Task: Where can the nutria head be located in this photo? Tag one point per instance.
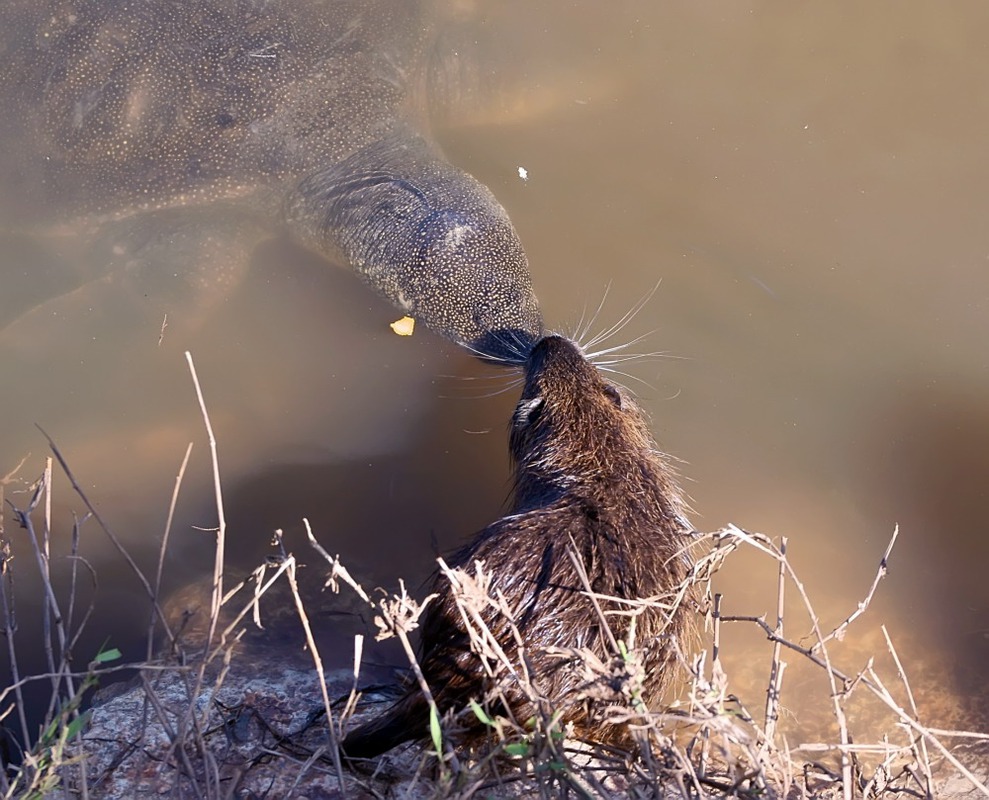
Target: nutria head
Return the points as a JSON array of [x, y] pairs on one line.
[[575, 433]]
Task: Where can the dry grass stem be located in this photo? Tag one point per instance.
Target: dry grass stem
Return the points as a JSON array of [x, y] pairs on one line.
[[163, 549], [207, 725]]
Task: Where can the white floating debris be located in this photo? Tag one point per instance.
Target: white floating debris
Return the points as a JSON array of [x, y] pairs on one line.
[[523, 173]]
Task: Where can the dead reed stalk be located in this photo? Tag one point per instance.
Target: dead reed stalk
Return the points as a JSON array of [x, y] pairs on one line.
[[705, 744]]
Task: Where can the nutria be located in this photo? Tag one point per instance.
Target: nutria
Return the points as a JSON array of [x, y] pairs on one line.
[[198, 129], [587, 472]]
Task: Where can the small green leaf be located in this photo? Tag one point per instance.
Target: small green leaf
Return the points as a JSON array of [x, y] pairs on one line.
[[481, 714], [517, 749], [77, 725], [48, 734], [434, 730], [107, 655]]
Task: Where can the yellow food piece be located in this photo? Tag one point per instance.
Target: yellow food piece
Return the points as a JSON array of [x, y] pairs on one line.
[[404, 327]]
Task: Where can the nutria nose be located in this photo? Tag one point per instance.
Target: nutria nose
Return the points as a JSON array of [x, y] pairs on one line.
[[550, 343], [552, 349]]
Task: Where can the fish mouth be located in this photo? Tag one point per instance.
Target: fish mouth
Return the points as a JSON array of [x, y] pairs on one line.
[[506, 346]]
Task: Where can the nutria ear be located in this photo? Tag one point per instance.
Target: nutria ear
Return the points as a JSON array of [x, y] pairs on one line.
[[528, 411], [613, 394]]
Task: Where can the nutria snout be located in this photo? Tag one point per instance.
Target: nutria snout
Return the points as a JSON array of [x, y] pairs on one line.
[[588, 479]]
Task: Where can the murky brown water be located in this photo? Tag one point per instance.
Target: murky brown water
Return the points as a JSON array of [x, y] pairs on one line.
[[809, 183]]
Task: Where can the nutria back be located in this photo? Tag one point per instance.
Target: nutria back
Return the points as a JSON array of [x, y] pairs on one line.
[[588, 479]]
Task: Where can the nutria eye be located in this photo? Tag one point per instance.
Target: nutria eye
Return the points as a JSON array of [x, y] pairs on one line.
[[613, 394], [528, 411]]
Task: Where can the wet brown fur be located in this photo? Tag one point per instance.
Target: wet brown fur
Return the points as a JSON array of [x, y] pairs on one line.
[[586, 468]]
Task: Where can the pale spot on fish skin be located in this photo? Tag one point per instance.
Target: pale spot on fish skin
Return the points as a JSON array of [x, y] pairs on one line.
[[455, 236], [402, 301]]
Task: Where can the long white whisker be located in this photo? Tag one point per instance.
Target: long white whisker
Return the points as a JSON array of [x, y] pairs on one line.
[[584, 330], [626, 358], [515, 345], [628, 375], [625, 320], [593, 355], [495, 378]]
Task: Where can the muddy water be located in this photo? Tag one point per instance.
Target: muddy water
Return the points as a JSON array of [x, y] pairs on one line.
[[807, 185]]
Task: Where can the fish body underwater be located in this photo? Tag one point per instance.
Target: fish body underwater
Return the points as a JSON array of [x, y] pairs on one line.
[[149, 129]]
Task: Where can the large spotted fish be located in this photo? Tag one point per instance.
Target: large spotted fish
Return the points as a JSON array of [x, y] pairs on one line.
[[134, 121]]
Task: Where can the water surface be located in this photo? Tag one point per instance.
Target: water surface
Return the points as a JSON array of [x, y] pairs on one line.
[[808, 186]]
